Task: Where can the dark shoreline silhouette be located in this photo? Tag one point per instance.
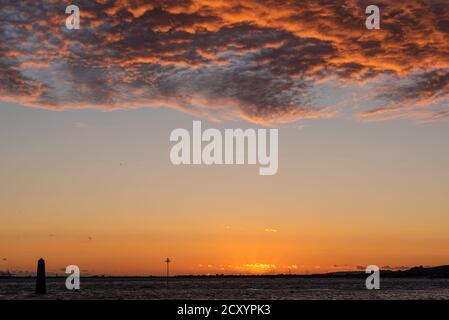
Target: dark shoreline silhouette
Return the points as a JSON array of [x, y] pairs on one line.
[[414, 272]]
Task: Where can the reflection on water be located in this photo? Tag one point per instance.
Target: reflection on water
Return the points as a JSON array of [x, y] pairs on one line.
[[228, 288]]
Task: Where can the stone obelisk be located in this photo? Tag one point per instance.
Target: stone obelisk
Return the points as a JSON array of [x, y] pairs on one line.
[[41, 287]]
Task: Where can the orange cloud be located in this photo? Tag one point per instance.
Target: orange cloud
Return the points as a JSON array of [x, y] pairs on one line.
[[255, 60]]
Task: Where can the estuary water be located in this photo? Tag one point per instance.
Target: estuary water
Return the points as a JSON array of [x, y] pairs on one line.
[[228, 288]]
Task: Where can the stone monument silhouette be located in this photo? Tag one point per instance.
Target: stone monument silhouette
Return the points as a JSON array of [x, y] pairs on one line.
[[41, 287]]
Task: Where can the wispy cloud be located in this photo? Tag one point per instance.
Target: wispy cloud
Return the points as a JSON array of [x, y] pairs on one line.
[[80, 125]]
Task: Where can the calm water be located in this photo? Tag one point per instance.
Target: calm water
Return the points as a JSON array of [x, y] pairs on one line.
[[229, 288]]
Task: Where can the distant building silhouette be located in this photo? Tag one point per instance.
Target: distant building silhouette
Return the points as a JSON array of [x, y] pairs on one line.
[[6, 274], [41, 287]]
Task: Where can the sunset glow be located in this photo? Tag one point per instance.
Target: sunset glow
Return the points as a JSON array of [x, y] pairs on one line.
[[86, 117]]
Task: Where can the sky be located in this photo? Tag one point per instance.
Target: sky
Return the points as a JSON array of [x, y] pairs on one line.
[[86, 115]]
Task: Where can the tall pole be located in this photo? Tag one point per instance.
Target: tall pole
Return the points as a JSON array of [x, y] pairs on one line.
[[167, 261]]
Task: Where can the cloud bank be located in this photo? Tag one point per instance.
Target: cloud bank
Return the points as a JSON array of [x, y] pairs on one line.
[[257, 60]]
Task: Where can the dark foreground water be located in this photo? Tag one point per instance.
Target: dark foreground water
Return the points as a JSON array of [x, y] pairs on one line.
[[229, 288]]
